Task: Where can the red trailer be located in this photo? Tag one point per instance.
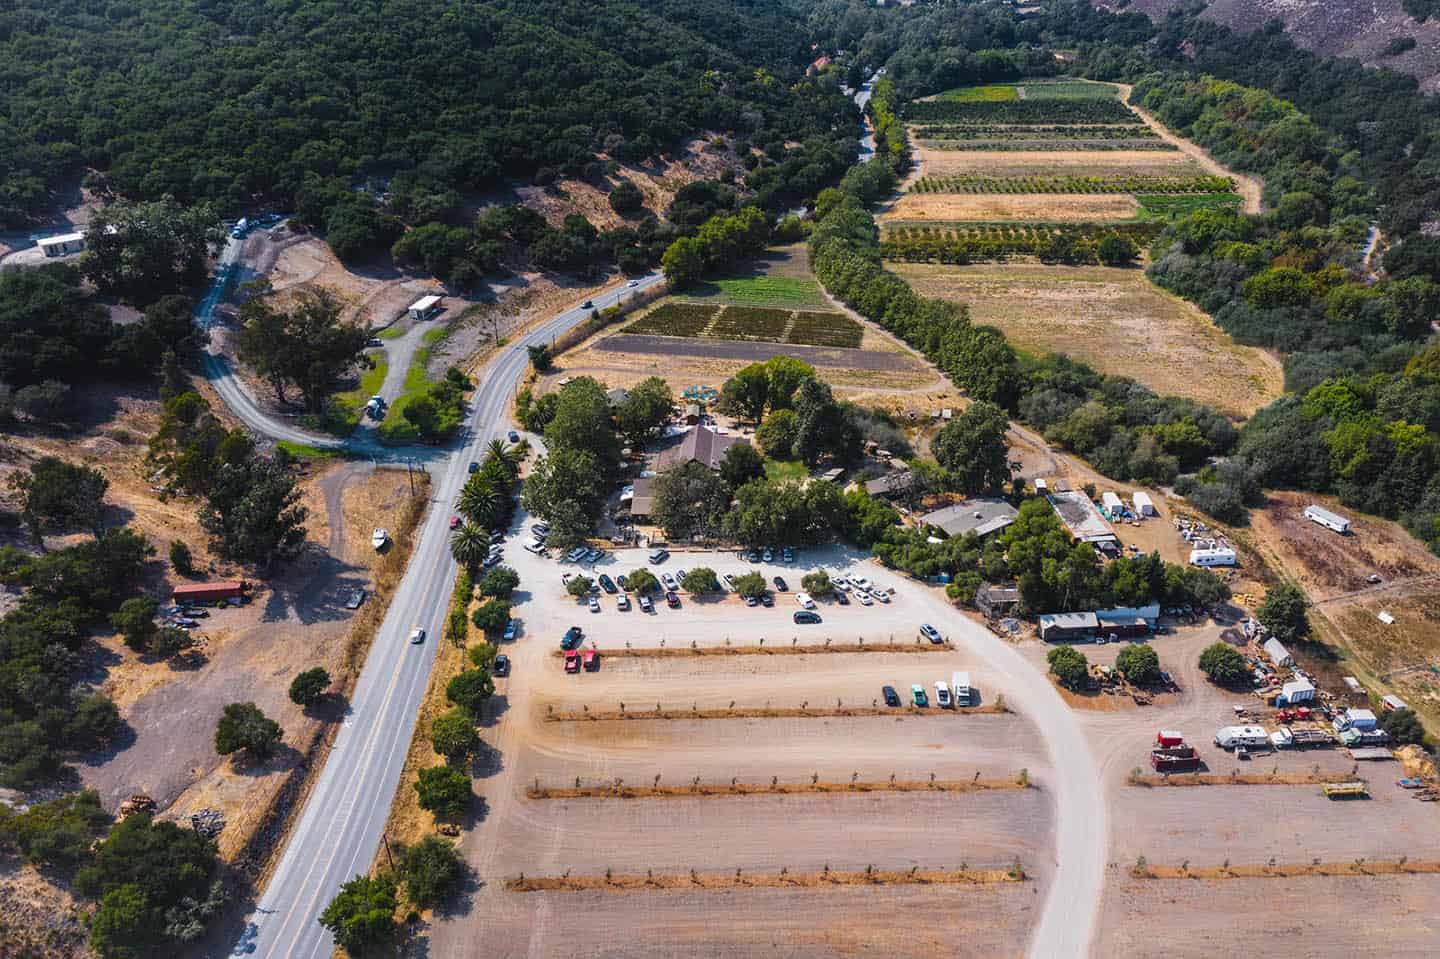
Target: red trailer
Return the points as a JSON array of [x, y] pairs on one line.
[[1169, 737], [210, 592], [1175, 759]]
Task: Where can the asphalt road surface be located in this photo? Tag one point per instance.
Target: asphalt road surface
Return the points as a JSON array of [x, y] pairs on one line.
[[339, 829]]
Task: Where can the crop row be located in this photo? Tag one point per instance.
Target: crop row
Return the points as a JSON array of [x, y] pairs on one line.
[[825, 329], [1050, 146], [1016, 233], [1164, 207], [968, 183], [675, 319], [1055, 246], [992, 131], [991, 93], [1021, 111], [1067, 90], [751, 323]]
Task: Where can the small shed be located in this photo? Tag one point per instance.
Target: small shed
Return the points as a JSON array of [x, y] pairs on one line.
[[1277, 652], [1353, 684], [425, 307], [692, 414], [1144, 505], [1059, 627], [62, 245], [1391, 703], [1296, 691], [996, 601]]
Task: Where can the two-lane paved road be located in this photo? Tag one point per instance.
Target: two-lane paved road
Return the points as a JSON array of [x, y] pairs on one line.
[[338, 832]]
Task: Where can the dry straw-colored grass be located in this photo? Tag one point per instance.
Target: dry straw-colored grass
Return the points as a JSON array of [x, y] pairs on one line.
[[586, 714], [781, 880], [1237, 779], [388, 570], [692, 790], [1288, 870]]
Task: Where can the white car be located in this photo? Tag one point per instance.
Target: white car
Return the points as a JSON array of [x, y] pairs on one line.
[[881, 595], [859, 581], [632, 284], [942, 695], [417, 636], [669, 581], [575, 554], [840, 584], [535, 547], [594, 604], [622, 602], [864, 598], [804, 600], [729, 582]]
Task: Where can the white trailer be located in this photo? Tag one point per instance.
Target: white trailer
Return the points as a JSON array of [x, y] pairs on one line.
[[62, 245], [1144, 505], [1331, 521], [1215, 556], [1112, 502], [425, 307], [1228, 737]]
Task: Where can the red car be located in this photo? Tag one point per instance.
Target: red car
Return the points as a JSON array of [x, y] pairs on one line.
[[592, 661], [672, 599], [455, 522], [572, 661]]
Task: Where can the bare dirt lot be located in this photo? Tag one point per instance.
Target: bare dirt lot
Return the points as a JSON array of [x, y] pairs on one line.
[[1114, 319], [1101, 163], [1049, 207]]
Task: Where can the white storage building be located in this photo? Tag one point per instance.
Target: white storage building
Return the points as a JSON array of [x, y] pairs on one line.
[[1277, 652], [1112, 502], [1332, 521], [1296, 691], [1144, 505], [62, 245]]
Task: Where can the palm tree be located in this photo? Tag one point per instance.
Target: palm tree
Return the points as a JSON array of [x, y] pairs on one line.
[[469, 545], [479, 499], [507, 456]]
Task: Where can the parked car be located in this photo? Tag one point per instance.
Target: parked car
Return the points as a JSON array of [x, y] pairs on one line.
[[918, 697], [645, 605], [474, 467], [767, 556], [859, 581], [787, 555], [672, 599], [931, 633], [751, 601], [753, 556], [880, 596], [514, 437], [680, 574], [804, 600], [780, 584], [417, 635], [455, 522], [729, 582], [767, 599], [502, 665], [659, 555], [622, 582], [575, 554], [540, 529], [842, 599], [805, 616], [574, 636], [864, 598], [591, 659], [891, 697], [510, 631], [536, 547], [607, 584], [594, 604], [942, 695], [622, 602], [669, 581], [572, 661]]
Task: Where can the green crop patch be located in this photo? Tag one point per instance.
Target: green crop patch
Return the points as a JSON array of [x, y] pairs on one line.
[[1128, 136], [1083, 110], [825, 329], [974, 183], [776, 291], [1153, 207], [751, 323], [959, 243], [675, 319], [1067, 90], [990, 93]]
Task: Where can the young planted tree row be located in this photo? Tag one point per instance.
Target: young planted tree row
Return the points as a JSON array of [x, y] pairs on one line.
[[1051, 242], [975, 183], [1132, 136]]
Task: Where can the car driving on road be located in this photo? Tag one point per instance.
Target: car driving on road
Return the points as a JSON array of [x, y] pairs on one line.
[[805, 616], [417, 635]]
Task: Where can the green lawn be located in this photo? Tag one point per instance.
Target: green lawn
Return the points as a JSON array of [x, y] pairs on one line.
[[391, 332], [780, 291], [304, 451], [395, 428], [785, 470], [343, 413], [1165, 206], [1068, 90]]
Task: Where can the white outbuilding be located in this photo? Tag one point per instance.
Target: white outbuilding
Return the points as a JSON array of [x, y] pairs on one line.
[[1277, 652], [62, 245], [1112, 502], [425, 307], [1144, 505]]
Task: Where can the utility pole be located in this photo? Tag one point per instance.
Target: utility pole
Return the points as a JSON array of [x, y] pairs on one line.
[[385, 838]]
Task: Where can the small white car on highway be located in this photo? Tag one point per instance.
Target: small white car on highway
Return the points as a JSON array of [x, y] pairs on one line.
[[417, 635]]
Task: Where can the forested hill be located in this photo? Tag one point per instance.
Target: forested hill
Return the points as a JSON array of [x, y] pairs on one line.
[[228, 100]]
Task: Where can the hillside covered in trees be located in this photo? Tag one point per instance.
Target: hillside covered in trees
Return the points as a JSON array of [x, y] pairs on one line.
[[267, 99]]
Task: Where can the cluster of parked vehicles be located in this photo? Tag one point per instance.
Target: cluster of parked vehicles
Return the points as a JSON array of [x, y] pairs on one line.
[[958, 692], [575, 657]]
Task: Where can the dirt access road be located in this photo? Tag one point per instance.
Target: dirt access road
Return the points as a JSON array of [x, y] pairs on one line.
[[769, 833]]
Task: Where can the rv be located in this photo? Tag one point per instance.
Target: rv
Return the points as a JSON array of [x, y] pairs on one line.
[[1327, 519], [1230, 737], [1212, 557]]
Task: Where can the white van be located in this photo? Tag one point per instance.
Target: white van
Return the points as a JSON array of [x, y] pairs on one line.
[[960, 688], [942, 695]]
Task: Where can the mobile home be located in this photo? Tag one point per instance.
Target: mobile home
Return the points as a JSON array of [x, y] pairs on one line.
[[62, 245], [1215, 556], [1332, 521], [425, 307]]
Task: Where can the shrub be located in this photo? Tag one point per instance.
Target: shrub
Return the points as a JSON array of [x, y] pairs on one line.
[[499, 582], [244, 726], [750, 584], [817, 583], [700, 580], [1403, 726], [1282, 612], [492, 616], [642, 581], [1139, 664], [579, 586], [470, 689], [362, 914], [453, 735], [180, 559], [1223, 664], [309, 687], [1069, 666], [444, 790], [431, 870], [57, 833]]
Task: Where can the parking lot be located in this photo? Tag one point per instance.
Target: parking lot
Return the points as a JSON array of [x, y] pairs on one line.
[[714, 834]]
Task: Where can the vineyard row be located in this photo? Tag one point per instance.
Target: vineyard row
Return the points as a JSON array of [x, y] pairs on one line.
[[992, 131], [965, 183], [1022, 111], [1049, 146], [1071, 247]]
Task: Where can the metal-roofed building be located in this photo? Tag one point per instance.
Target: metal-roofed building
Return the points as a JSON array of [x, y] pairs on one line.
[[981, 516]]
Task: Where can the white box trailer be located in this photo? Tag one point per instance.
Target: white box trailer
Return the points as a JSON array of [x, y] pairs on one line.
[[1228, 737], [1213, 556], [1144, 505], [1316, 513], [1112, 502], [425, 307]]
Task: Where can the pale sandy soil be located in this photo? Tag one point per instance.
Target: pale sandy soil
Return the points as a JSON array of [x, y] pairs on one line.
[[1104, 163], [1050, 207]]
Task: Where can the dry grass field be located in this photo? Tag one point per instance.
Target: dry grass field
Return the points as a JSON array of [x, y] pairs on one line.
[[1057, 207], [1113, 319]]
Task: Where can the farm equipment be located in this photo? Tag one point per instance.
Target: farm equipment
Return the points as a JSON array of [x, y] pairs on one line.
[[1355, 789]]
